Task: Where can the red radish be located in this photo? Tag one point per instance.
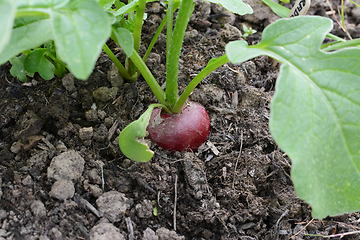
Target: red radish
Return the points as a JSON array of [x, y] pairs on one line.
[[185, 131]]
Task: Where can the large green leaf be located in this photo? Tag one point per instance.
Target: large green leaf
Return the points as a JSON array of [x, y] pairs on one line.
[[26, 37], [315, 111], [234, 6], [7, 15], [80, 31]]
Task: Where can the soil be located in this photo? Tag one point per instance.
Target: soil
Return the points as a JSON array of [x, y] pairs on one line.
[[63, 175]]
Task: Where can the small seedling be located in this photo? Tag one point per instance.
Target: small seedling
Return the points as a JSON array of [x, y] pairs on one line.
[[247, 31]]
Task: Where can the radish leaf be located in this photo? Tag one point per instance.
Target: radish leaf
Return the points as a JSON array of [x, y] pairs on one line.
[[234, 6], [315, 111], [37, 62], [81, 29], [125, 39], [7, 15], [131, 138], [18, 70], [22, 40]]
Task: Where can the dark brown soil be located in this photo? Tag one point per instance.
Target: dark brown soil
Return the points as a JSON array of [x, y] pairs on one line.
[[235, 186]]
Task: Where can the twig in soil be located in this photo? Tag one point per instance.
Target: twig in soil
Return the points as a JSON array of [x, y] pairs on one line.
[[302, 229], [102, 178], [341, 235], [158, 199], [89, 206], [235, 71], [130, 228], [341, 26], [175, 201], [221, 220], [112, 130], [237, 160], [281, 217]]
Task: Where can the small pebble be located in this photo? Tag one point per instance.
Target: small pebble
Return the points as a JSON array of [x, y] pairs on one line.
[[68, 82], [86, 133], [101, 114], [38, 209], [27, 181], [105, 94], [164, 233], [91, 115], [62, 189], [105, 231], [67, 165], [149, 234], [95, 190], [144, 209], [113, 205], [115, 77]]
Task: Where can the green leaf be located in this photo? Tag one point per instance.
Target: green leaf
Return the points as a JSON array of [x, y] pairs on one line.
[[106, 4], [234, 6], [125, 39], [37, 62], [7, 15], [277, 8], [131, 7], [315, 111], [80, 31], [131, 138], [41, 4], [127, 8], [17, 70], [27, 37]]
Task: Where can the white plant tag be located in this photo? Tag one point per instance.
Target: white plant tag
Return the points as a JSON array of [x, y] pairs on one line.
[[300, 8]]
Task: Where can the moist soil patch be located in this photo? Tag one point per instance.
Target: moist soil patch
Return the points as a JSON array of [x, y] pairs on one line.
[[63, 175]]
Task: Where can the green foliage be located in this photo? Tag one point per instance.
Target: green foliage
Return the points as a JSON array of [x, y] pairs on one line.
[[247, 31], [7, 13], [18, 69], [21, 39], [131, 138], [315, 112], [79, 29], [277, 8], [37, 61], [125, 40], [234, 6]]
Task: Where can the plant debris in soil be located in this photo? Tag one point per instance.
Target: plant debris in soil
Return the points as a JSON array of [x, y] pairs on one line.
[[63, 175]]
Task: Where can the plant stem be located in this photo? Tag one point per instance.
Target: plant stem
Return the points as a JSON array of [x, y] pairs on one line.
[[149, 78], [341, 45], [118, 64], [169, 29], [182, 20], [153, 40], [60, 66], [138, 24], [212, 65], [139, 16], [158, 31]]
